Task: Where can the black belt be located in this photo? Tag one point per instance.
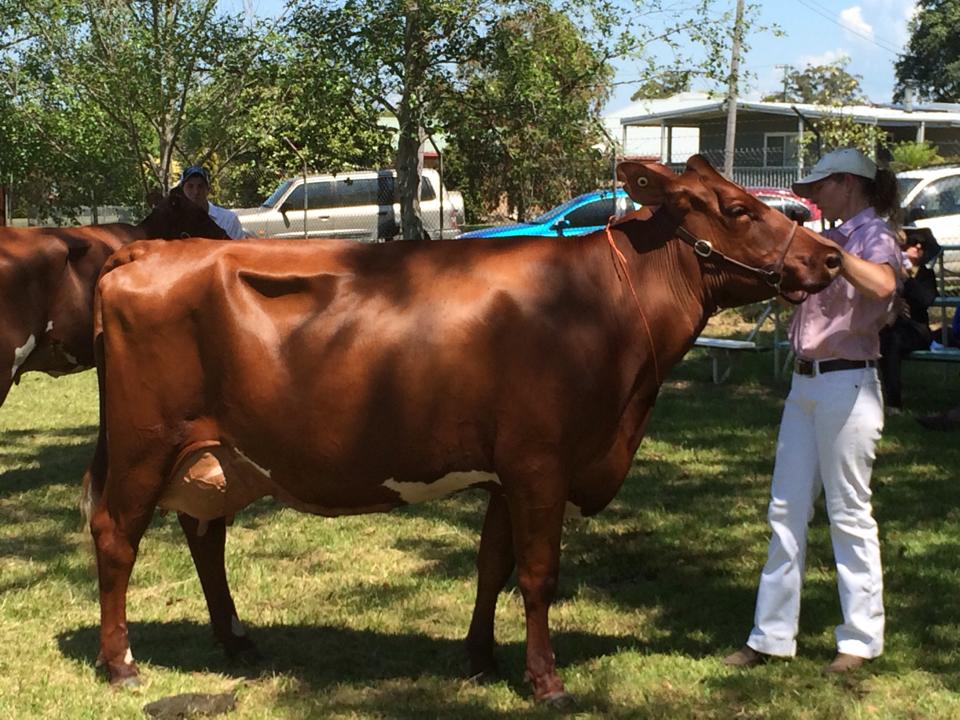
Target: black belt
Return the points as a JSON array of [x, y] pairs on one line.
[[812, 367]]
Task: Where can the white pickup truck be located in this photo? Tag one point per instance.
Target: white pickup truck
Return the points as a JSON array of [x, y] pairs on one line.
[[353, 205]]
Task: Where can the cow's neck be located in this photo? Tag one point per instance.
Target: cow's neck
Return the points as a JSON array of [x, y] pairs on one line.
[[674, 296]]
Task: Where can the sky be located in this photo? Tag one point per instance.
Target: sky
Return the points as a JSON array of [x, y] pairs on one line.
[[815, 32]]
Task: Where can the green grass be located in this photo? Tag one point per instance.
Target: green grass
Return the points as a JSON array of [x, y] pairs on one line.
[[363, 617]]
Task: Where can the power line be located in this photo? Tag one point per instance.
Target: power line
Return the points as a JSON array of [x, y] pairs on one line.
[[823, 12]]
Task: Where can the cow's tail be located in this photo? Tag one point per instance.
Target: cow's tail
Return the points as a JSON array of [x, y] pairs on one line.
[[95, 477]]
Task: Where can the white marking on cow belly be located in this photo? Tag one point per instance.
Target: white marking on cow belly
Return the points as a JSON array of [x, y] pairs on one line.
[[572, 511], [262, 470], [49, 325], [236, 627], [414, 492], [128, 658], [21, 354]]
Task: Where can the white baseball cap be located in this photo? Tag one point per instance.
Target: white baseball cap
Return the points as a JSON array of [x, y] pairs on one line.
[[845, 160]]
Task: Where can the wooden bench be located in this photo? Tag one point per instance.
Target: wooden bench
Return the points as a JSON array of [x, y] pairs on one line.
[[721, 350], [947, 354]]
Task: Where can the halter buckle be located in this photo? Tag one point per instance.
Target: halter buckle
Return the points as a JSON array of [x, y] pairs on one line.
[[703, 248]]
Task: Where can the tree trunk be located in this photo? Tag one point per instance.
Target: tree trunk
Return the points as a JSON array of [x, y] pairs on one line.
[[410, 120], [730, 146]]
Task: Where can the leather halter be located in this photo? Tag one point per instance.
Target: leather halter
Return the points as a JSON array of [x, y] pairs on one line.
[[704, 249]]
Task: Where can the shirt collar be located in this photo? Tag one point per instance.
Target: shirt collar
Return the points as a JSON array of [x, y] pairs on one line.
[[868, 214]]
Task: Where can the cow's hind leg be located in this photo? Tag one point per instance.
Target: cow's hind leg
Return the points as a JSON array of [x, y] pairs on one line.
[[207, 549], [116, 547], [495, 563]]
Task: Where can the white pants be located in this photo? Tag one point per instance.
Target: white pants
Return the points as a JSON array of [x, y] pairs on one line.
[[831, 424]]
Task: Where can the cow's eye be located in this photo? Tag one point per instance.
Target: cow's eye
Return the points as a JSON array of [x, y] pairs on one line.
[[737, 211]]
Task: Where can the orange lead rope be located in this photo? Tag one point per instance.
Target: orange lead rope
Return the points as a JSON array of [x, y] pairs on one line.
[[646, 325]]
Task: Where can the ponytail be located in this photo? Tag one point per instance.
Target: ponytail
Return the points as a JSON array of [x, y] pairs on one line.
[[884, 195]]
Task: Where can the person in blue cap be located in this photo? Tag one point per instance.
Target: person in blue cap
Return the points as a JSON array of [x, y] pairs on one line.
[[195, 183]]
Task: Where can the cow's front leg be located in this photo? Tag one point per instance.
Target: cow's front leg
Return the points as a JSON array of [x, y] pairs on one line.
[[494, 565], [207, 549], [536, 543], [116, 548]]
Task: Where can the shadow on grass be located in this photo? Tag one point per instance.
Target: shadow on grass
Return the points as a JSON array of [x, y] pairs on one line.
[[37, 458], [325, 656]]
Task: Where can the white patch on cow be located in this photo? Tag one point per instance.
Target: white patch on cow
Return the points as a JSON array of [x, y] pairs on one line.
[[21, 354], [572, 511], [262, 470], [237, 628], [414, 492], [49, 325], [128, 657]]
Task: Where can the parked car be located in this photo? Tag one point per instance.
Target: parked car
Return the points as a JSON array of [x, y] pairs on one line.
[[931, 199], [355, 205], [789, 203], [581, 215]]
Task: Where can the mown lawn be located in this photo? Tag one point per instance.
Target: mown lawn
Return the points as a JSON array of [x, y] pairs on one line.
[[363, 617]]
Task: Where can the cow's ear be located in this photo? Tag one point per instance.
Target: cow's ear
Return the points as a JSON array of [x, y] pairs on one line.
[[76, 247], [645, 182]]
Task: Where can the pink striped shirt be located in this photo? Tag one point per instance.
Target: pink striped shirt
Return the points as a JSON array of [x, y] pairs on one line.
[[841, 322]]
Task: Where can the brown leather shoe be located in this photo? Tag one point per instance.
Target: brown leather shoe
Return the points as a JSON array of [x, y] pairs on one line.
[[745, 657], [844, 663]]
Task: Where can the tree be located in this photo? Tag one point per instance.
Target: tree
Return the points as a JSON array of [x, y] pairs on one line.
[[828, 84], [667, 84], [145, 69], [300, 108], [931, 63], [399, 55], [524, 123]]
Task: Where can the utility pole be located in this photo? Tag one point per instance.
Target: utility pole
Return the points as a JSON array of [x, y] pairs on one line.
[[784, 68], [731, 139]]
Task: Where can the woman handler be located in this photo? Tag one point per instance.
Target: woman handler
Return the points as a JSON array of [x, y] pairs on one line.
[[832, 420]]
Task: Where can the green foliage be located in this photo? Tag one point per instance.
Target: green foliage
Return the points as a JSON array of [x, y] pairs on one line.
[[133, 77], [828, 84], [931, 62], [910, 155], [667, 84], [524, 123]]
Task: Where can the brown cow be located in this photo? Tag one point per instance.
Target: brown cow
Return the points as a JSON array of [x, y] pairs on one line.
[[344, 378], [47, 279]]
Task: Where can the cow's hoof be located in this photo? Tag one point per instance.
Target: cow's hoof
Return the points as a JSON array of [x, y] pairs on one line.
[[125, 680], [128, 683], [561, 700]]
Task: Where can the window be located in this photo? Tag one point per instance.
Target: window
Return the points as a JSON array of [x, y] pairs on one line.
[[941, 197], [591, 214], [319, 195], [779, 149], [356, 191]]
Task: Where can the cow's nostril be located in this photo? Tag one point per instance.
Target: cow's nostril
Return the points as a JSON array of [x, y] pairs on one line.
[[834, 261]]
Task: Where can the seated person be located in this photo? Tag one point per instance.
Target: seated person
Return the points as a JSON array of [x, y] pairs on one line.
[[910, 329]]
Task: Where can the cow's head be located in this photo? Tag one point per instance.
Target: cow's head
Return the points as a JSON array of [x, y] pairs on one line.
[[175, 216], [704, 206]]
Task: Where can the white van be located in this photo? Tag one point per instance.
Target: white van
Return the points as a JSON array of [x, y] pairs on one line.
[[352, 205]]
